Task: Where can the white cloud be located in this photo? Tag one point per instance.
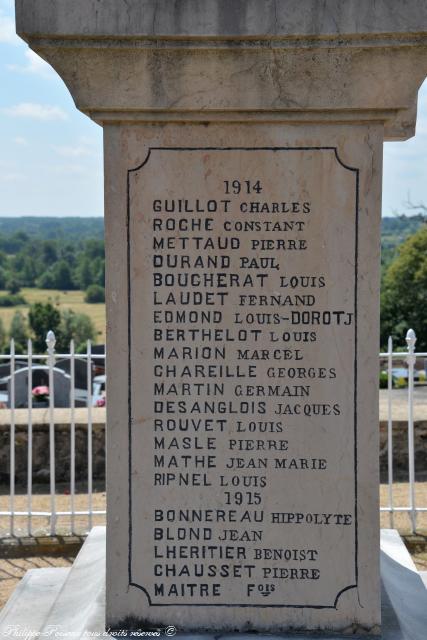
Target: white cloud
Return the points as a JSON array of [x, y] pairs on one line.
[[23, 142], [73, 152], [421, 126], [9, 4], [34, 64], [35, 111], [7, 30], [10, 177], [69, 168], [84, 147]]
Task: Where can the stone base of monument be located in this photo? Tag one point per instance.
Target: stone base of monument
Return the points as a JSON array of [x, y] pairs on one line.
[[70, 602]]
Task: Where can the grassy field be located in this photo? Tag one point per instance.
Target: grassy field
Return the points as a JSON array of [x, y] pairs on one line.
[[65, 300]]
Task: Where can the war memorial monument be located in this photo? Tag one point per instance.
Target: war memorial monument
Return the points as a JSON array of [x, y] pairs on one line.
[[243, 166]]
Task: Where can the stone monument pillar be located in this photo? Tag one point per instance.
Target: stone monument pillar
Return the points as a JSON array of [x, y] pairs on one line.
[[243, 149]]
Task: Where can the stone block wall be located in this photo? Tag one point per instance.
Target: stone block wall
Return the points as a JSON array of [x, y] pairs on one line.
[[400, 450], [62, 453]]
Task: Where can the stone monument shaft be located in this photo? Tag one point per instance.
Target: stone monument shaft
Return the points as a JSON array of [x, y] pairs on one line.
[[243, 150]]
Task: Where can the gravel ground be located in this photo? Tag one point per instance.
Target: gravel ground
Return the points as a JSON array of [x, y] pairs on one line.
[[41, 502], [401, 521], [400, 403]]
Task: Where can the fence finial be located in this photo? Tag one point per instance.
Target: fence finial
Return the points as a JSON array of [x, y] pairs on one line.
[[411, 339], [50, 342]]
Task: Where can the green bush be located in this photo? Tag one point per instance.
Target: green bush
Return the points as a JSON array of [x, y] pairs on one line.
[[76, 326], [12, 300], [95, 293], [43, 317], [383, 380], [13, 285], [19, 332]]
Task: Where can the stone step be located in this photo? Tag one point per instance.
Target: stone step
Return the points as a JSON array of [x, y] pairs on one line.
[[31, 601], [79, 605], [73, 600]]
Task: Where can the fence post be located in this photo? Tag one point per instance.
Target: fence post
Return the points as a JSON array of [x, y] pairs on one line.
[[89, 433], [50, 342], [12, 437], [390, 429], [72, 434], [30, 436], [411, 339]]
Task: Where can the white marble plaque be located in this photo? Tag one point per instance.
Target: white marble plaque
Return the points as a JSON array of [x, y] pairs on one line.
[[242, 301]]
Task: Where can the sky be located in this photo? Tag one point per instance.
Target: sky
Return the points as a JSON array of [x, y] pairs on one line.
[[51, 154]]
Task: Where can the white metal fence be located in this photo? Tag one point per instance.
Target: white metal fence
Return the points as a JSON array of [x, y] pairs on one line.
[[49, 358], [10, 514], [412, 509]]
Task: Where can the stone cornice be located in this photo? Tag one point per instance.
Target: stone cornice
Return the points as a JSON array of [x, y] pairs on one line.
[[236, 19], [148, 61]]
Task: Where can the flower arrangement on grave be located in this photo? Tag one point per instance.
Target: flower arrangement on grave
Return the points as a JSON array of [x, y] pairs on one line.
[[40, 393]]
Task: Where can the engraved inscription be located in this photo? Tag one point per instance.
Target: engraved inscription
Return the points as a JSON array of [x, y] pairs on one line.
[[242, 335]]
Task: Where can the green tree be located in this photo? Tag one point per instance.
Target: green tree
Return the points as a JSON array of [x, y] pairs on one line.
[[43, 317], [3, 278], [404, 292], [46, 280], [3, 259], [49, 252], [76, 326], [3, 338], [62, 276], [28, 272], [95, 294], [19, 332], [94, 248], [83, 274], [99, 272], [57, 276], [13, 285]]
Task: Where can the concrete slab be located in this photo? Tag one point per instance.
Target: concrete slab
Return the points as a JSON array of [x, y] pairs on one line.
[[79, 605], [73, 601], [403, 585], [60, 416], [32, 599]]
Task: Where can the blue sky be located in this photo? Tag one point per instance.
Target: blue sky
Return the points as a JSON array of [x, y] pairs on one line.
[[51, 154]]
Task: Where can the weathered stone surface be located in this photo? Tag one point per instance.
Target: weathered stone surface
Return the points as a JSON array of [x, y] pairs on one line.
[[40, 586], [62, 451], [40, 458], [79, 607], [204, 18], [330, 230], [259, 326], [400, 450], [239, 61]]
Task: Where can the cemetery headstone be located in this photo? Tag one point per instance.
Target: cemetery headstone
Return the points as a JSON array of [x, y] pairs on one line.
[[40, 378], [80, 371]]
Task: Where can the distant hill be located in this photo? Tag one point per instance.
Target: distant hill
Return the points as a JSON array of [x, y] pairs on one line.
[[54, 228], [395, 230]]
